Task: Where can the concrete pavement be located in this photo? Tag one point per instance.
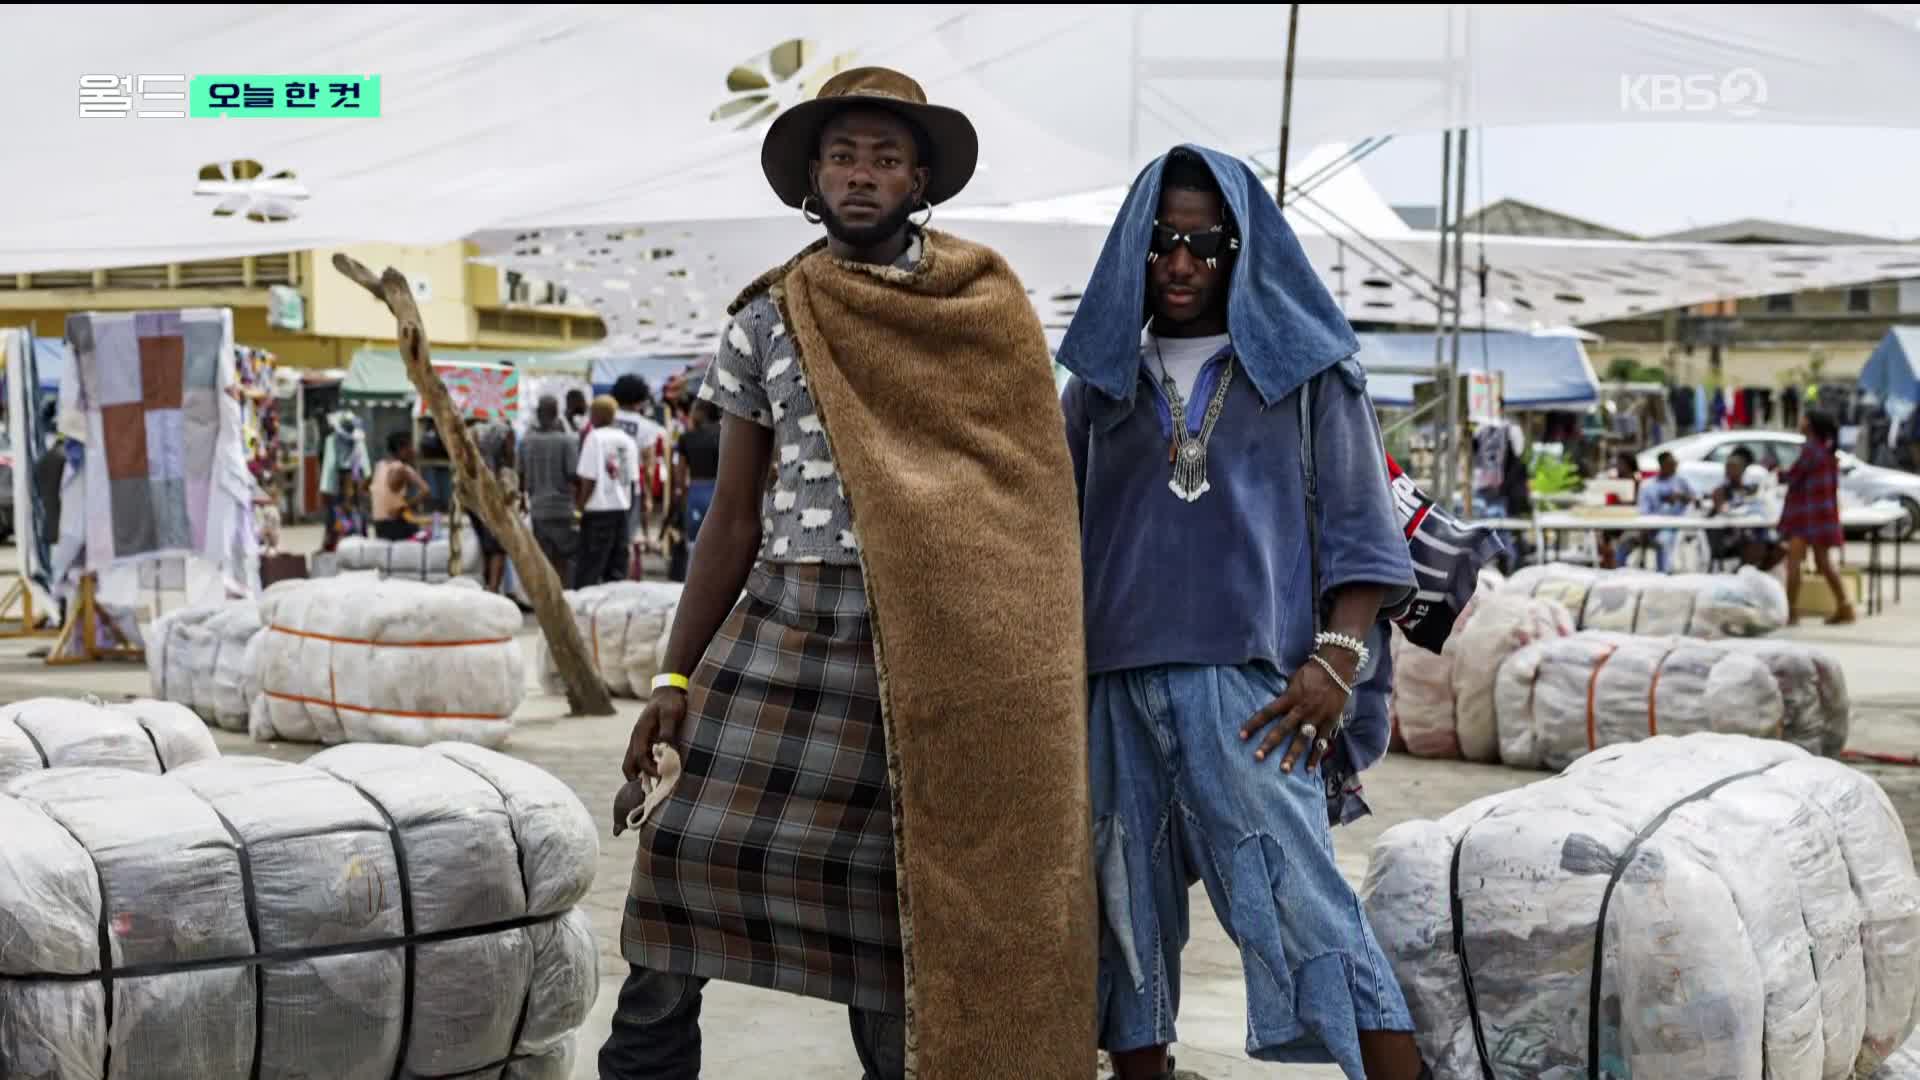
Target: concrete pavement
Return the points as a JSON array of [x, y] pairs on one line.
[[757, 1035]]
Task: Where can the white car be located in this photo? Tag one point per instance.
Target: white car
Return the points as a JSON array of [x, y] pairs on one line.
[[1703, 460]]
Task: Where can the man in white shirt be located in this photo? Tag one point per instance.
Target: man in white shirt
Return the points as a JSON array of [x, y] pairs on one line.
[[609, 468], [631, 397]]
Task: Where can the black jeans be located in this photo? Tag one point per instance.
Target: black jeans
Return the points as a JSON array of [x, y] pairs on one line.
[[605, 547], [656, 1032]]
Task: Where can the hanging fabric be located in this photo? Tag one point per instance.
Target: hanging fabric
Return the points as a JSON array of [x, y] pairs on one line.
[[1680, 400]]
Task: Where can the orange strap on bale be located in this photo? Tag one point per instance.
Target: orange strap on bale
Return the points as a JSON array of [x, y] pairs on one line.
[[389, 644], [333, 690], [380, 712], [1653, 723], [1879, 757], [1593, 682]]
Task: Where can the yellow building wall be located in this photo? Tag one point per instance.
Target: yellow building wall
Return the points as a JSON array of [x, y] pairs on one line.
[[341, 317], [1763, 368], [297, 349], [483, 286], [1883, 298], [339, 308], [249, 328]]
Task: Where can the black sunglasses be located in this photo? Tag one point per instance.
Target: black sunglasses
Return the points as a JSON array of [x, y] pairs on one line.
[[1205, 245]]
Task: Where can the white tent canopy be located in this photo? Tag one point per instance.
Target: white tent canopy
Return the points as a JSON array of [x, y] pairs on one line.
[[671, 283], [510, 117], [1539, 371]]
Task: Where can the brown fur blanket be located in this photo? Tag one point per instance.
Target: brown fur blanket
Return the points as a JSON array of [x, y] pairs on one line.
[[935, 388]]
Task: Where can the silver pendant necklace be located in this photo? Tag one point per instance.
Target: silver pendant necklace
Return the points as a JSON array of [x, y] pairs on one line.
[[1188, 454]]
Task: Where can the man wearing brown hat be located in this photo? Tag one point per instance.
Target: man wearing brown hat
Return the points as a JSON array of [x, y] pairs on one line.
[[881, 790]]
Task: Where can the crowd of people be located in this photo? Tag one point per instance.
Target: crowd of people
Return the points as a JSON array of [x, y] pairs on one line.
[[1807, 494], [602, 483]]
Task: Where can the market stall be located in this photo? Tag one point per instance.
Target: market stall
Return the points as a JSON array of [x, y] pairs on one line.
[[1891, 379]]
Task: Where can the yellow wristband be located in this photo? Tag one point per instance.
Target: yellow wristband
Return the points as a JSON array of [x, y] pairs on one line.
[[678, 682]]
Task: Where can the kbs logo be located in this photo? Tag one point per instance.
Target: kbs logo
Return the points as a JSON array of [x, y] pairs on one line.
[[1739, 92]]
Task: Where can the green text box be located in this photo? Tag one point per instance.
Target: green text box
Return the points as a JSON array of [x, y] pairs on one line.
[[330, 96]]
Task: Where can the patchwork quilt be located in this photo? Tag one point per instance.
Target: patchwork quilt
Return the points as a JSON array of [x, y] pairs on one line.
[[159, 424]]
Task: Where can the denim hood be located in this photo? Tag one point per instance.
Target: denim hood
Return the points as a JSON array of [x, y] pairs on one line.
[[1285, 326]]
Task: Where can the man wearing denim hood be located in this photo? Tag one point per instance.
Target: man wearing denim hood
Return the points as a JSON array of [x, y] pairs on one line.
[[1240, 546]]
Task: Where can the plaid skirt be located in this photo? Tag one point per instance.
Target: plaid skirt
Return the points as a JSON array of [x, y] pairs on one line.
[[772, 863]]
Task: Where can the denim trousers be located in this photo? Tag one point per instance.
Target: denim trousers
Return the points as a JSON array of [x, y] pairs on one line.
[[1177, 796], [656, 1032]]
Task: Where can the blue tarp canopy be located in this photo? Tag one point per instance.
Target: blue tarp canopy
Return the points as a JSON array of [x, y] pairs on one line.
[[1890, 374], [1542, 371]]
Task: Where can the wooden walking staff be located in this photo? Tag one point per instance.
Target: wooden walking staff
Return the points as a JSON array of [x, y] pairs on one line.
[[479, 490]]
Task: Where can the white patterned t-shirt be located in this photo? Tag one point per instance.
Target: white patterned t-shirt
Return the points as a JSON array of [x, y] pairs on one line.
[[756, 376]]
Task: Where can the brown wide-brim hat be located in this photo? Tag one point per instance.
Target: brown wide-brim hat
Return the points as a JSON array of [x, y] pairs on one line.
[[794, 138]]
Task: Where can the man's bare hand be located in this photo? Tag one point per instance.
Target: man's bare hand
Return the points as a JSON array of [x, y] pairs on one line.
[[1311, 698], [658, 723]]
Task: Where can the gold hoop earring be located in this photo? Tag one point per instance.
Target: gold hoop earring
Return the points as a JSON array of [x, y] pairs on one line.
[[812, 217]]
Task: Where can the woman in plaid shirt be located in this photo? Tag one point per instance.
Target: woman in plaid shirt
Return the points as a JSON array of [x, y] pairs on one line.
[[1812, 514]]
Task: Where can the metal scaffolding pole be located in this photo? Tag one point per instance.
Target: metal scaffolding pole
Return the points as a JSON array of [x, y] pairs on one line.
[[1443, 448], [1286, 106], [1455, 420]]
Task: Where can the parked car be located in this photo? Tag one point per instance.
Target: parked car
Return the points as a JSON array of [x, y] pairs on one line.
[[1703, 462]]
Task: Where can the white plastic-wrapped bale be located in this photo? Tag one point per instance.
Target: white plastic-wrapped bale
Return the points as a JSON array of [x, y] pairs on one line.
[[361, 659], [412, 560], [1707, 906], [1502, 624], [378, 911], [1422, 706], [144, 736], [1903, 1065], [1557, 700], [197, 657], [1744, 604], [172, 648], [621, 622]]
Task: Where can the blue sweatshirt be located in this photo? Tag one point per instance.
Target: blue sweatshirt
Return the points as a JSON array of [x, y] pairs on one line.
[[1224, 580]]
